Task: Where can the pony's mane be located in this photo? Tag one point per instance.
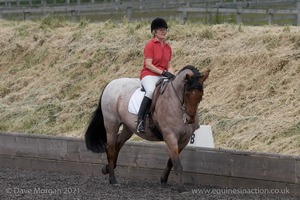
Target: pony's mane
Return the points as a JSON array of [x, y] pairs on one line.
[[193, 69], [194, 83]]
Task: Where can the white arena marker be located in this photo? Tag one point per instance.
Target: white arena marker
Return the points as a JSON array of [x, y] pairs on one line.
[[202, 137]]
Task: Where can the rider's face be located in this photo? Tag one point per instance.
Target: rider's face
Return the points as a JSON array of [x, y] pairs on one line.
[[161, 33]]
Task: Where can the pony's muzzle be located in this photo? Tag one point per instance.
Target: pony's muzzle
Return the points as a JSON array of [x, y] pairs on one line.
[[187, 119]]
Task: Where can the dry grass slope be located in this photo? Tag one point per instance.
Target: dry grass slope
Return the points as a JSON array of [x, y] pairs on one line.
[[52, 72]]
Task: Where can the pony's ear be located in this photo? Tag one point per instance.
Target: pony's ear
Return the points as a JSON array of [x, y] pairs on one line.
[[205, 75], [188, 77]]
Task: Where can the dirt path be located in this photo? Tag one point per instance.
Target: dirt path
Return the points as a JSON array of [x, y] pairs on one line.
[[36, 184]]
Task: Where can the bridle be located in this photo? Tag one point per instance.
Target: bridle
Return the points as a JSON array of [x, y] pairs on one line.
[[182, 102]]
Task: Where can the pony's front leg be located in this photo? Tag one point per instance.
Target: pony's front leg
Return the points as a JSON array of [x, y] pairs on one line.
[[178, 171], [174, 160]]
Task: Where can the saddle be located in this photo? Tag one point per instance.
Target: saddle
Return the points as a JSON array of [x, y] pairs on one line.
[[136, 99]]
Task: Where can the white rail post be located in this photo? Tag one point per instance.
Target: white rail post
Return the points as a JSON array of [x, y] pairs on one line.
[[25, 16], [129, 13], [208, 13], [8, 4], [183, 14], [298, 14], [44, 4], [239, 15], [270, 16]]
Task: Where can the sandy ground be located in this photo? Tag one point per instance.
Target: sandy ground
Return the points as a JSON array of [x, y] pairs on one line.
[[37, 184]]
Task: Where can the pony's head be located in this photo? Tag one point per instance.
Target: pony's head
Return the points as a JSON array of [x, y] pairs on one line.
[[193, 92]]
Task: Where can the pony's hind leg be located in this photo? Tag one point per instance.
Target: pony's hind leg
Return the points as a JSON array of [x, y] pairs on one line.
[[165, 176], [114, 147], [111, 151]]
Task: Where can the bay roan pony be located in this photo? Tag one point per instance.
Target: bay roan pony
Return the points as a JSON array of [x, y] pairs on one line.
[[175, 116]]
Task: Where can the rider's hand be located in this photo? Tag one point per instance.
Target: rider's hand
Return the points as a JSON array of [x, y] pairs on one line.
[[168, 74]]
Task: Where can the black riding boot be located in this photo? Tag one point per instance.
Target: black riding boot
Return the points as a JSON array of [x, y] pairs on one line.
[[140, 127]]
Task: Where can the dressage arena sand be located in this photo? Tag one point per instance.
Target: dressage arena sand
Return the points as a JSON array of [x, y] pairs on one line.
[[52, 72], [36, 184]]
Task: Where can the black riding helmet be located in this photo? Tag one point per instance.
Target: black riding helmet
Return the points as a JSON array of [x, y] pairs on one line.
[[158, 23]]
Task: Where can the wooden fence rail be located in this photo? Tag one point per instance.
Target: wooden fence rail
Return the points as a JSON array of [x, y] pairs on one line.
[[239, 11], [134, 9], [92, 7]]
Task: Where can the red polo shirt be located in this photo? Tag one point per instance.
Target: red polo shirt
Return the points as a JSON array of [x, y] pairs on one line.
[[161, 56]]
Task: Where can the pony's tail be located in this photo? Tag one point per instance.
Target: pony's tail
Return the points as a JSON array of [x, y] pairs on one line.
[[95, 135]]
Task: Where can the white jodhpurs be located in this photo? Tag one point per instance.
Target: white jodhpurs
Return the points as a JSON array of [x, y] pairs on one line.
[[149, 83]]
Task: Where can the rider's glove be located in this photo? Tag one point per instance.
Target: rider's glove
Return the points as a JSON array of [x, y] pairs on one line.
[[168, 74]]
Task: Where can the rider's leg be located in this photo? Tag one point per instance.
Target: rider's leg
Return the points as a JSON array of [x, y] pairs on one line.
[[149, 83], [142, 113]]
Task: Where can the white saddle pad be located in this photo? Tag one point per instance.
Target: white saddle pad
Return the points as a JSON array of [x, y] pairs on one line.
[[135, 101]]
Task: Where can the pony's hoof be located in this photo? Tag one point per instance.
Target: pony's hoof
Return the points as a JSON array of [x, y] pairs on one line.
[[116, 185], [113, 181], [163, 182], [182, 190], [105, 170]]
